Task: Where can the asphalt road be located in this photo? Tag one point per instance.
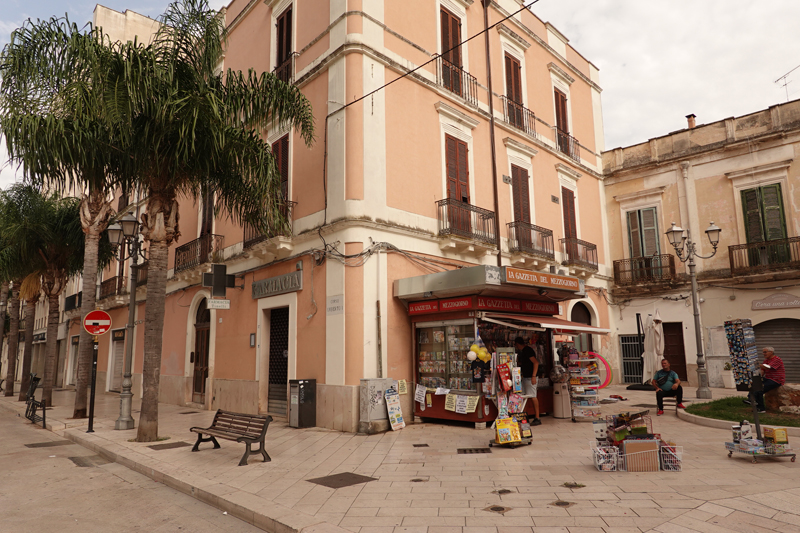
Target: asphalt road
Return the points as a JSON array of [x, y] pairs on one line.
[[43, 489]]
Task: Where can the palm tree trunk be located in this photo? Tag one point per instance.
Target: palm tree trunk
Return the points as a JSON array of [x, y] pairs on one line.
[[3, 304], [13, 338], [153, 336], [50, 348], [27, 353], [85, 346]]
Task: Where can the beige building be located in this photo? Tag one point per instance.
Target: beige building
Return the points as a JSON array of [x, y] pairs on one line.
[[395, 209], [743, 174]]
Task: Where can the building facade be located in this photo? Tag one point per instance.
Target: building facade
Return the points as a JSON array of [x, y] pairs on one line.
[[398, 185], [742, 174]]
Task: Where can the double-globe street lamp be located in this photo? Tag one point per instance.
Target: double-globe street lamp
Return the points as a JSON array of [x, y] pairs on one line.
[[126, 231], [686, 250]]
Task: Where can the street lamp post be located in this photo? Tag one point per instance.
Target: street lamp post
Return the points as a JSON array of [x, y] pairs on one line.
[[125, 231], [686, 251]]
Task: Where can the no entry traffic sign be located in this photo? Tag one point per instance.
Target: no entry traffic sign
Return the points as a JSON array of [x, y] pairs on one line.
[[97, 322]]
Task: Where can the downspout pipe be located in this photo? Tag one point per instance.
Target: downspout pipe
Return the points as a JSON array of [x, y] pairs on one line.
[[491, 133]]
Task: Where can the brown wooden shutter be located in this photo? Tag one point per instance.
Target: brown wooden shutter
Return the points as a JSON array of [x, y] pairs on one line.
[[570, 226], [280, 149], [520, 194], [451, 156], [284, 40], [561, 111], [451, 37], [207, 221], [513, 79], [751, 206], [463, 171]]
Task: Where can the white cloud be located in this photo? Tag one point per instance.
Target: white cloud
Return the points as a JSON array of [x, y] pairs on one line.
[[661, 60]]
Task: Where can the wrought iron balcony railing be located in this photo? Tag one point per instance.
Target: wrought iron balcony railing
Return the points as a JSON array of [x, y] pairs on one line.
[[758, 257], [527, 238], [457, 80], [519, 116], [141, 274], [579, 253], [568, 144], [197, 252], [253, 236], [112, 286], [644, 269], [465, 220], [73, 302], [285, 71]]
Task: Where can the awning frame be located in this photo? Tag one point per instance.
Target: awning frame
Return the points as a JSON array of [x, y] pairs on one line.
[[558, 325]]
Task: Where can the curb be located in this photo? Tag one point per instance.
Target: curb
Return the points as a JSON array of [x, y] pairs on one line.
[[722, 424], [259, 512]]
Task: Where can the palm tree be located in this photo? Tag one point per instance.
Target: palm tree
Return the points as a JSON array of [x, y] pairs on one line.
[[47, 234], [61, 122], [196, 128], [29, 290]]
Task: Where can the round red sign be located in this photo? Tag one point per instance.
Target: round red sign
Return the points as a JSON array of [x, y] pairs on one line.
[[97, 322]]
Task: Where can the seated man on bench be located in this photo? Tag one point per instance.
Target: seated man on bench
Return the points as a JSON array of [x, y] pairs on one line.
[[667, 384]]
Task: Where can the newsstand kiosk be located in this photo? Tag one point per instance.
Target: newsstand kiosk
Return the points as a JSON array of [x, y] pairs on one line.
[[489, 306]]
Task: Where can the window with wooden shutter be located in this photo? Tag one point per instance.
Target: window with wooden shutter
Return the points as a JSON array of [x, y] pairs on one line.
[[568, 201], [284, 45], [643, 232], [764, 218], [561, 112], [520, 194], [513, 79], [207, 216], [281, 151], [451, 51]]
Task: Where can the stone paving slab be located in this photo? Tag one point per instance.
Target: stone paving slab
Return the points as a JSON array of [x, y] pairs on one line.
[[711, 493]]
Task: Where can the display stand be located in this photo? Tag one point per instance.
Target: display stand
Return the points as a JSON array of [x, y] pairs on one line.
[[732, 448], [584, 383]]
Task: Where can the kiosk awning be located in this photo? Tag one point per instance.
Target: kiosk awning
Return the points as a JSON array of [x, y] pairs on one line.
[[562, 327]]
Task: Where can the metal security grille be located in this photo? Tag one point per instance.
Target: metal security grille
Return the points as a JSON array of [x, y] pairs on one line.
[[278, 360], [783, 334], [631, 359]]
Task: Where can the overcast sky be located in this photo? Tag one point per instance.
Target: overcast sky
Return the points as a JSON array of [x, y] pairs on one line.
[[659, 60]]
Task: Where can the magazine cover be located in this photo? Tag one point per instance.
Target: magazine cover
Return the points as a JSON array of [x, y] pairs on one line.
[[507, 431]]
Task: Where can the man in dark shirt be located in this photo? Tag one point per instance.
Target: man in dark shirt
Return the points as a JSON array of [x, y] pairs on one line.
[[529, 367]]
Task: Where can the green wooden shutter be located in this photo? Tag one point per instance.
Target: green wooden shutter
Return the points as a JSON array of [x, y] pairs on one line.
[[649, 231], [634, 235], [751, 207], [772, 209]]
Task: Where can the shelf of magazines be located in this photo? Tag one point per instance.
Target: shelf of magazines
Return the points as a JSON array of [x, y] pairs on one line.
[[584, 383]]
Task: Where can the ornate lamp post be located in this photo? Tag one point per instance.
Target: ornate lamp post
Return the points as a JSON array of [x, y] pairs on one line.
[[686, 251], [126, 231]]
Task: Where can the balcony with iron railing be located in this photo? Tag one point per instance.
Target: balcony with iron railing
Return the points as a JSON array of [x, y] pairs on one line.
[[466, 221], [579, 253], [113, 286], [652, 269], [526, 238], [457, 80], [253, 236], [198, 252], [568, 145], [519, 116], [767, 256], [285, 71]]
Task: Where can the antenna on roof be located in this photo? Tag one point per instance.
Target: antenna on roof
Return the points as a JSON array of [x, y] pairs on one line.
[[786, 82]]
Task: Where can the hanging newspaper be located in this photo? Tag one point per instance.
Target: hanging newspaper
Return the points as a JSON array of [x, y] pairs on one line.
[[394, 409]]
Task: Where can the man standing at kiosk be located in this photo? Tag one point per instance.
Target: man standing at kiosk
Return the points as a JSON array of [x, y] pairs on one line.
[[529, 367]]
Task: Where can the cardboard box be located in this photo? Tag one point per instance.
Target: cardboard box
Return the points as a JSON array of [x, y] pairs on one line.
[[776, 435], [641, 455]]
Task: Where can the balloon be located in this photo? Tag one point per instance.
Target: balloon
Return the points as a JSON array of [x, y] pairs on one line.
[[483, 351], [474, 348], [472, 356]]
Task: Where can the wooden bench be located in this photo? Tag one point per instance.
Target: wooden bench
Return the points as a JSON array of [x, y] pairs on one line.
[[249, 429]]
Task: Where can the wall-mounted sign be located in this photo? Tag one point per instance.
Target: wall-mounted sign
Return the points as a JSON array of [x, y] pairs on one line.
[[421, 308], [781, 300], [484, 303], [520, 276], [278, 285], [216, 303], [335, 305]]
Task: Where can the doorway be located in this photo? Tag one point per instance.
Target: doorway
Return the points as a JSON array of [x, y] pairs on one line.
[[582, 315], [199, 357], [278, 360], [674, 350], [117, 359], [73, 357]]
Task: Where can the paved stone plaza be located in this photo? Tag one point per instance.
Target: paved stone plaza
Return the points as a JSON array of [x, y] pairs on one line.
[[434, 489]]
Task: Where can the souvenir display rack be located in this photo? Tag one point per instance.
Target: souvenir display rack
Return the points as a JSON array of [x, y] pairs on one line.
[[511, 427], [743, 351], [584, 383]]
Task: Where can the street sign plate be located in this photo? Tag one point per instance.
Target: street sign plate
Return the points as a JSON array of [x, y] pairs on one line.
[[97, 322], [219, 304]]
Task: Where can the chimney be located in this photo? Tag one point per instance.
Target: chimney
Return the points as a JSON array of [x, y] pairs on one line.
[[690, 119]]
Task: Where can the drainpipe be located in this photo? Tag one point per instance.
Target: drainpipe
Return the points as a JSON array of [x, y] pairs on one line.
[[491, 132]]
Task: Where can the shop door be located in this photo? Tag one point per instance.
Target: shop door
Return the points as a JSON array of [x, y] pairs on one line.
[[202, 333], [278, 360], [581, 315], [117, 365], [674, 350], [458, 213], [783, 334], [570, 226]]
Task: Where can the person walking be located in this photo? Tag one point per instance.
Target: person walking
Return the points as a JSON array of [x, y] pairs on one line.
[[774, 377], [528, 367], [667, 384]]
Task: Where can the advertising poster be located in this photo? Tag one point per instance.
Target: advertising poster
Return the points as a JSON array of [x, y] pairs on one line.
[[394, 410]]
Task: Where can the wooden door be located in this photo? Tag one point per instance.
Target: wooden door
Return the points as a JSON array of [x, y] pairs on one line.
[[202, 332], [674, 350], [562, 121], [522, 205], [451, 52], [458, 185], [514, 91], [570, 225]]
